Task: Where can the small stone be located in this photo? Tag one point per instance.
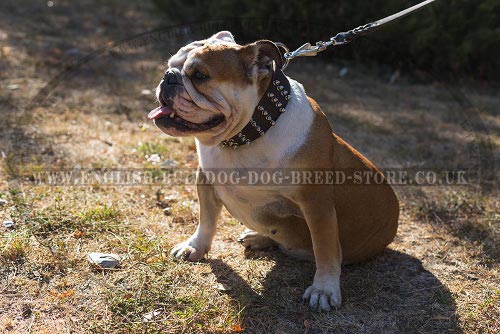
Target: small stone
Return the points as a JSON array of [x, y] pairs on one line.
[[146, 92], [8, 224], [106, 261], [154, 158], [12, 87], [151, 315], [3, 202], [343, 72]]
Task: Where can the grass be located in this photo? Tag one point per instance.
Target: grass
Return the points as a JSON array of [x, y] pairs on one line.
[[148, 149], [440, 275], [14, 249]]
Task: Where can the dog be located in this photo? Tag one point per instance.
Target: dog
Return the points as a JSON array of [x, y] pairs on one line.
[[246, 114]]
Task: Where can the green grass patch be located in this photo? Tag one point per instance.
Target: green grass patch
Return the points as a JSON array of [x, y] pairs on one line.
[[150, 148], [59, 219], [13, 248], [101, 213]]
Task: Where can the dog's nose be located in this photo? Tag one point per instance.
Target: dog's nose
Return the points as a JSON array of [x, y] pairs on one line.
[[172, 77], [170, 85]]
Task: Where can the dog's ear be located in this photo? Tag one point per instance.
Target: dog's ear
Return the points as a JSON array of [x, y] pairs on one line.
[[224, 35], [258, 58]]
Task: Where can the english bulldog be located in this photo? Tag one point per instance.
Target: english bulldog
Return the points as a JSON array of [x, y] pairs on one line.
[[245, 114]]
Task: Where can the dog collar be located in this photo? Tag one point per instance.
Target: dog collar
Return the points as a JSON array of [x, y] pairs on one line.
[[268, 110]]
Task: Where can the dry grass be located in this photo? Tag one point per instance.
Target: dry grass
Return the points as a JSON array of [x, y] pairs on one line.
[[440, 275]]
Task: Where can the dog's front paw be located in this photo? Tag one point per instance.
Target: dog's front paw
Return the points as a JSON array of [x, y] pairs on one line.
[[324, 294], [191, 250]]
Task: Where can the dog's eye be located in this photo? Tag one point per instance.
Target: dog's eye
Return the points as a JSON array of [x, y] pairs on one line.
[[199, 76]]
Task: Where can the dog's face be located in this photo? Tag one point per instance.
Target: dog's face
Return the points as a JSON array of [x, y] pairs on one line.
[[212, 86]]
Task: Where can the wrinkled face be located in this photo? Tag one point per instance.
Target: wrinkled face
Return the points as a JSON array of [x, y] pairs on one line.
[[212, 86]]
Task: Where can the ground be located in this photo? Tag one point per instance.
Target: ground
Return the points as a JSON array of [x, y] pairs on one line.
[[441, 274]]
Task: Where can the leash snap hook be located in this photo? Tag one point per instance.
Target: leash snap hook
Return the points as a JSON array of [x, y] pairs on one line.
[[305, 50], [286, 55]]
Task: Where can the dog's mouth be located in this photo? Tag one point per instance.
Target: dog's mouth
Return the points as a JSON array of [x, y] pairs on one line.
[[165, 118]]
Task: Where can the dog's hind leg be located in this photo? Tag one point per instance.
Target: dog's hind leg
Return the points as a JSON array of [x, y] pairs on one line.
[[303, 254], [254, 240]]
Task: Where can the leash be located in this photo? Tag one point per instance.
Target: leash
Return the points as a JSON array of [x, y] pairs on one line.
[[341, 38]]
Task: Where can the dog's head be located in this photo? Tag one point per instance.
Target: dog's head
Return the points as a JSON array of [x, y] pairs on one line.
[[212, 86]]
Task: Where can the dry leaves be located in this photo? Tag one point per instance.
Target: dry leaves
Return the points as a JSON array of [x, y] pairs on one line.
[[79, 234], [238, 328], [62, 295]]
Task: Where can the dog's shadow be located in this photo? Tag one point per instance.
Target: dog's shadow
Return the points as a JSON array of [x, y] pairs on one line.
[[392, 293]]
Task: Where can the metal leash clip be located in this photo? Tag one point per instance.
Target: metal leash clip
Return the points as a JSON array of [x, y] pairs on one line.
[[305, 50]]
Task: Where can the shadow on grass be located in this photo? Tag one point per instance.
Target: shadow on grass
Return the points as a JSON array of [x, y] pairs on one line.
[[392, 293], [464, 217]]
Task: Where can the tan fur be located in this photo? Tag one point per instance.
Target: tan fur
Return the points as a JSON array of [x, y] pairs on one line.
[[367, 214], [223, 62], [331, 223]]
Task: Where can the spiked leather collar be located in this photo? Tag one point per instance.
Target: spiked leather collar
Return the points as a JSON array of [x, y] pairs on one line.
[[268, 110]]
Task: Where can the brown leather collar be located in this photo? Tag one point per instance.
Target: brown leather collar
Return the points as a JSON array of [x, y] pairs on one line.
[[268, 110]]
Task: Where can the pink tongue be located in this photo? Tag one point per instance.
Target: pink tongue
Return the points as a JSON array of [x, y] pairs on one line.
[[159, 112]]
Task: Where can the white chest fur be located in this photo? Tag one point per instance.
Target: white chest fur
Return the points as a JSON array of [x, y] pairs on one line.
[[274, 150]]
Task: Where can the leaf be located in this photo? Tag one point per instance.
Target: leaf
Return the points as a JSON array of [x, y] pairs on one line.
[[79, 234], [237, 328], [62, 295]]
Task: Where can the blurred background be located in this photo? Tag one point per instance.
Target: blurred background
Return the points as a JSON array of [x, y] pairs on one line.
[[452, 38]]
